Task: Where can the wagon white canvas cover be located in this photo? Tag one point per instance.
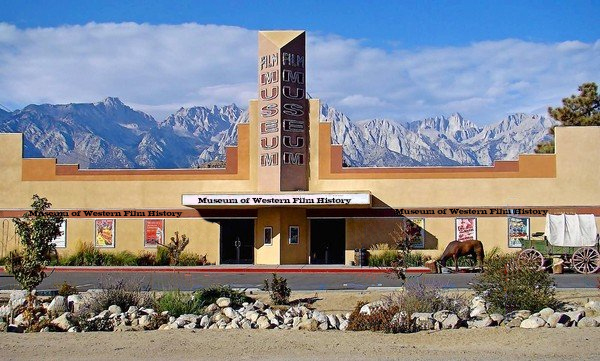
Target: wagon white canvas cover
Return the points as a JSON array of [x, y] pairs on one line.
[[571, 230]]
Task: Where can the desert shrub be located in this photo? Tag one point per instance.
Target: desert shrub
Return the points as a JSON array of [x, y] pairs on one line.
[[162, 257], [210, 295], [422, 297], [383, 259], [380, 319], [278, 290], [65, 289], [122, 258], [175, 248], [415, 259], [3, 261], [382, 247], [508, 285], [494, 252], [145, 258], [178, 303], [192, 259], [121, 293], [85, 255], [416, 297]]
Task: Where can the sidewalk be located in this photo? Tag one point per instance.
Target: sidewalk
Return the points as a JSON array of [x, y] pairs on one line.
[[235, 269]]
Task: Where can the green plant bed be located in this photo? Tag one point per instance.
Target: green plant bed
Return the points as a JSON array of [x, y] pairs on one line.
[[210, 295], [382, 258], [178, 303]]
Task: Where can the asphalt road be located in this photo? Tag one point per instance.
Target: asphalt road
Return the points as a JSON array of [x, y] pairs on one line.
[[296, 281]]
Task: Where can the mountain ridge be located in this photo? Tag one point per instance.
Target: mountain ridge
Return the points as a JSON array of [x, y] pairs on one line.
[[110, 134]]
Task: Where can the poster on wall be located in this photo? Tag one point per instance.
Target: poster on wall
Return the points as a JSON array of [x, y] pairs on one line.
[[61, 241], [154, 232], [104, 233], [415, 229], [518, 231], [466, 228]]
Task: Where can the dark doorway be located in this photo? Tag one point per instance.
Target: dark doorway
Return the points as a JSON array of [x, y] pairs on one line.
[[237, 241], [327, 241]]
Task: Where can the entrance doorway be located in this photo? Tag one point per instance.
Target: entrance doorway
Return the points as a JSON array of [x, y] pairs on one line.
[[237, 241], [327, 241]]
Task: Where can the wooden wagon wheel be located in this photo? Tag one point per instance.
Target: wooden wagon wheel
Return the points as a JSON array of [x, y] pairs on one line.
[[531, 256], [586, 260]]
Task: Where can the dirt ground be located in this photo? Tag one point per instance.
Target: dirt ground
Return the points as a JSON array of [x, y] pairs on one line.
[[488, 344]]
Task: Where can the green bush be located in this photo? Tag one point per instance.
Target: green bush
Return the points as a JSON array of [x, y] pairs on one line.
[[178, 303], [121, 293], [122, 258], [191, 259], [162, 257], [146, 258], [210, 295], [278, 290], [415, 259], [85, 255], [508, 285], [66, 289], [383, 259]]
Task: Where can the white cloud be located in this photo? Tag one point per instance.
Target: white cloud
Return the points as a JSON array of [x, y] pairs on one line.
[[159, 68]]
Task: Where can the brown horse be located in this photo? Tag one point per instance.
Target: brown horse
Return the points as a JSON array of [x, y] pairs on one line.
[[455, 249]]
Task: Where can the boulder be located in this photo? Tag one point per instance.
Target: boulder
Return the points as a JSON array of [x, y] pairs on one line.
[[263, 322], [451, 322], [343, 325], [57, 306], [319, 316], [123, 328], [252, 316], [369, 307], [212, 308], [246, 324], [479, 312], [259, 305], [533, 322], [514, 322], [575, 316], [309, 325], [587, 322], [324, 326], [497, 318], [557, 318], [440, 316], [423, 320], [205, 321], [546, 313], [223, 302], [482, 323], [333, 321], [74, 329], [63, 322], [131, 310], [115, 310], [190, 326], [229, 312]]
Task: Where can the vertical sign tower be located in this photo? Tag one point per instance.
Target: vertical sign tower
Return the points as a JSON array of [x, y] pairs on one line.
[[282, 112]]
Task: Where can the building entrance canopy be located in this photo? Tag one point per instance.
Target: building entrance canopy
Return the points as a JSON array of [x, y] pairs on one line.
[[292, 199]]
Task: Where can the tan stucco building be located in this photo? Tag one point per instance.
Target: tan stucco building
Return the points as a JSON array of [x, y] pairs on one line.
[[284, 197]]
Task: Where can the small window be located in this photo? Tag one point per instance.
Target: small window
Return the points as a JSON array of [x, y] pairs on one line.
[[268, 236], [294, 235]]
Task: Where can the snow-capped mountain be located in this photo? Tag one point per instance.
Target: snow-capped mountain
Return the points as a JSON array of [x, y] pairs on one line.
[[109, 134], [438, 141]]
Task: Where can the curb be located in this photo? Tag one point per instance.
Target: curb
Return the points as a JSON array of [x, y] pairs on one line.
[[219, 269]]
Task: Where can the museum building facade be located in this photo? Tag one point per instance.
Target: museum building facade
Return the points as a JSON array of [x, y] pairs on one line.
[[284, 196]]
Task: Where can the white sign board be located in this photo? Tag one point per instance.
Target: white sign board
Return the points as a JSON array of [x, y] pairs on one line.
[[300, 199], [61, 241]]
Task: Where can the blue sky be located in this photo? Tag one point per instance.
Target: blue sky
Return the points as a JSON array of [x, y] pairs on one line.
[[402, 60]]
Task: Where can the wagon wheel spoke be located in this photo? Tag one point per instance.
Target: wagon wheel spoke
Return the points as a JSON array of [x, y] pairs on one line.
[[586, 260], [531, 257]]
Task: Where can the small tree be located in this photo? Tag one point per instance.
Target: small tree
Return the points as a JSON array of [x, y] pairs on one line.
[[175, 248], [577, 110], [37, 231], [278, 290]]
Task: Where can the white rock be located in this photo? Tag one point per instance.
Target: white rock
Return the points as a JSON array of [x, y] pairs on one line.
[[556, 318], [223, 302], [344, 325], [333, 321], [533, 322], [587, 322], [545, 313], [252, 316], [63, 321], [205, 321], [115, 310], [451, 322], [58, 305], [263, 322]]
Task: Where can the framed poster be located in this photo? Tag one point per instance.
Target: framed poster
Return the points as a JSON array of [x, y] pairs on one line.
[[466, 228], [61, 241], [294, 235], [268, 236], [104, 233], [154, 232], [415, 229], [518, 231]]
